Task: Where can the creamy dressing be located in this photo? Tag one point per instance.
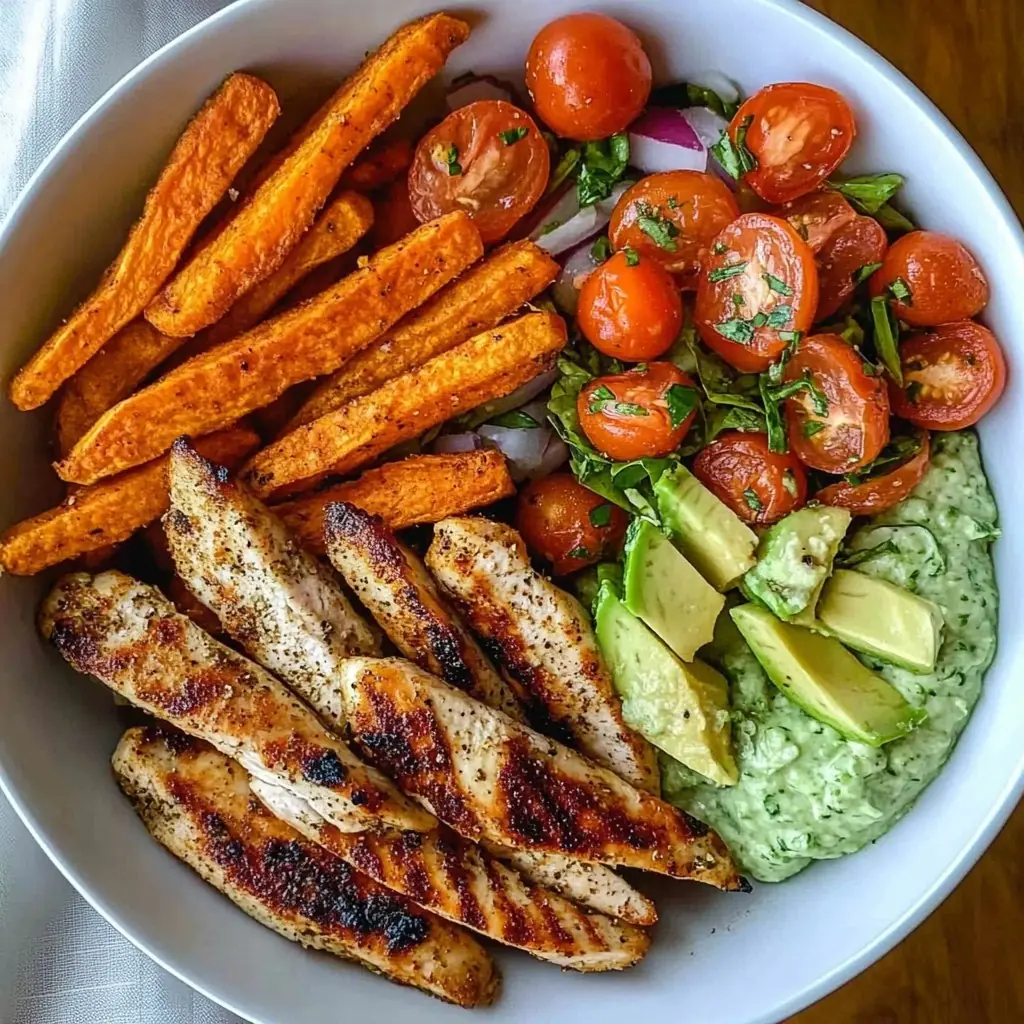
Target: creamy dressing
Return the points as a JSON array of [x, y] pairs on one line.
[[805, 793]]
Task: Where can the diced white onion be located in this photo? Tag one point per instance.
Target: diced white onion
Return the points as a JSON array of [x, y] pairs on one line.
[[578, 265], [575, 225]]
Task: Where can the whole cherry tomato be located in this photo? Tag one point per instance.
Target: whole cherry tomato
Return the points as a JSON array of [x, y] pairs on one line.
[[488, 159], [757, 291], [933, 279], [877, 494], [566, 524], [951, 376], [817, 216], [759, 485], [797, 133], [673, 217], [629, 308], [588, 76], [641, 413], [843, 261], [840, 422]]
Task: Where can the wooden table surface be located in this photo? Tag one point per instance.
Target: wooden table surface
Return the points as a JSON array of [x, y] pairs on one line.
[[965, 964]]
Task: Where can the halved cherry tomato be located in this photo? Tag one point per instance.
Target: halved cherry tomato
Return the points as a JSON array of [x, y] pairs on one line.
[[855, 426], [817, 216], [641, 413], [882, 492], [759, 485], [488, 159], [567, 524], [673, 217], [629, 308], [856, 245], [757, 288], [932, 278], [588, 76], [798, 133], [951, 377]]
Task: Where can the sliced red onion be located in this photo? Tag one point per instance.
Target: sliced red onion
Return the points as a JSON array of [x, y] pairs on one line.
[[706, 124], [532, 452], [575, 225], [728, 91], [662, 139], [449, 444], [577, 267], [470, 88], [523, 394]]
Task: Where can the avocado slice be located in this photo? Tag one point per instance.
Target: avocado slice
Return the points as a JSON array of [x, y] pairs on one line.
[[826, 680], [666, 592], [794, 559], [878, 618], [715, 540], [683, 709]]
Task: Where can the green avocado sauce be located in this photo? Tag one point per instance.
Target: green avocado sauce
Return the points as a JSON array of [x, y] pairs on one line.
[[805, 793]]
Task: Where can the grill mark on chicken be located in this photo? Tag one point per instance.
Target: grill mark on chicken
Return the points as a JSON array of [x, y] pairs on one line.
[[502, 782], [197, 802], [395, 586], [129, 636], [542, 805], [455, 879], [542, 639]]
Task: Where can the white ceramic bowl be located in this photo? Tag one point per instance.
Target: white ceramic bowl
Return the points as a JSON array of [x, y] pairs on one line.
[[727, 959]]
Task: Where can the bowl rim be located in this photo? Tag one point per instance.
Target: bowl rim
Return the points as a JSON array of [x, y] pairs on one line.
[[1011, 794]]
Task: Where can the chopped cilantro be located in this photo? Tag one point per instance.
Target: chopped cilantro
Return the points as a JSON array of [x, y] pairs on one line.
[[741, 331], [672, 202], [780, 316], [601, 515], [681, 400], [565, 167], [729, 270], [754, 503], [632, 256], [886, 337], [793, 337], [900, 290], [512, 135], [601, 165], [869, 192], [660, 231], [452, 157], [550, 226], [863, 273], [517, 420], [734, 157], [777, 285], [812, 427], [719, 248], [579, 552], [601, 249]]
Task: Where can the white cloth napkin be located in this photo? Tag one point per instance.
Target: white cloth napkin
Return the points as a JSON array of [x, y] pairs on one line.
[[60, 962]]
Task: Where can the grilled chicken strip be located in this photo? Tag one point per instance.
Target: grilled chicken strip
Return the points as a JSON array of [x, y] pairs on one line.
[[542, 638], [129, 636], [197, 803], [455, 879], [283, 605], [396, 588], [223, 541], [392, 582], [491, 778]]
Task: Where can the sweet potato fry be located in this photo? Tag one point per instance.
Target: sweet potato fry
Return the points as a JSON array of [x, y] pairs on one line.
[[221, 386], [419, 489], [110, 376], [203, 163], [270, 223], [109, 512], [380, 165], [477, 301], [334, 232], [488, 366]]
